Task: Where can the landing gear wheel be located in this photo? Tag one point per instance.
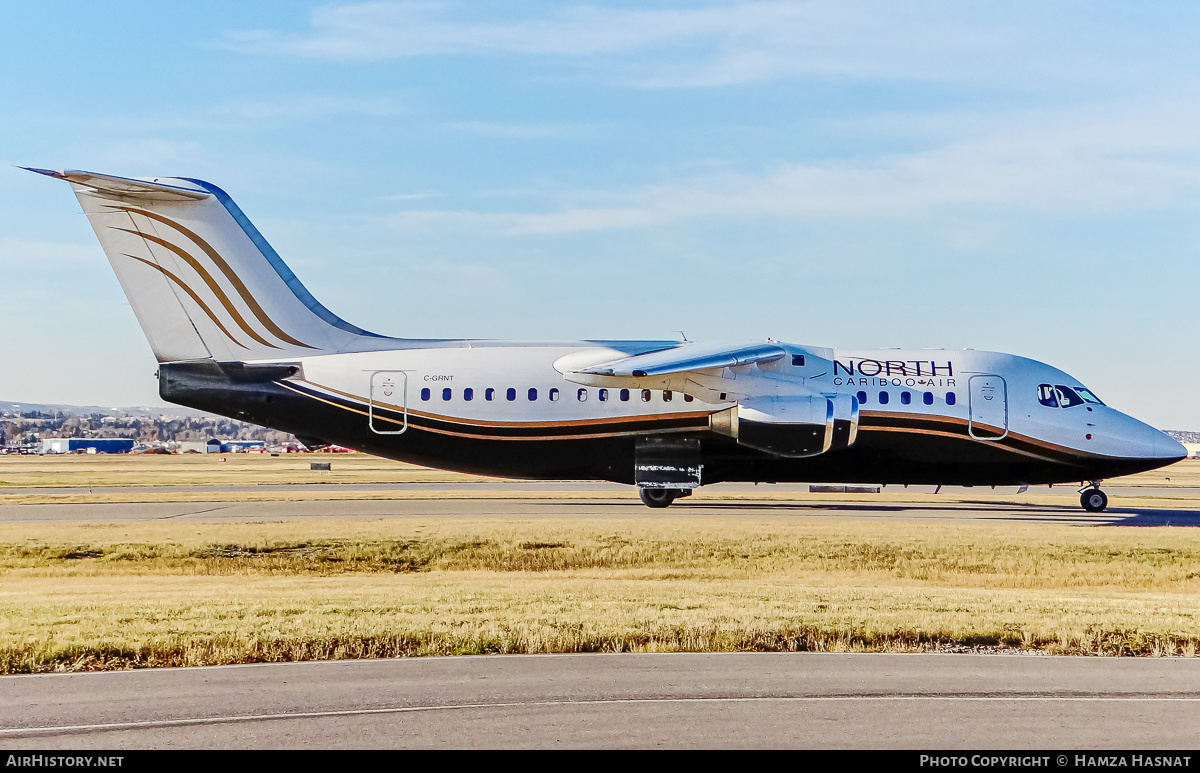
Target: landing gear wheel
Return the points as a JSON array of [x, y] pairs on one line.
[[1093, 500], [657, 497]]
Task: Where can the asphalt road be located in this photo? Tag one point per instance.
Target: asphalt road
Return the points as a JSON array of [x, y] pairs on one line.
[[627, 507], [619, 701]]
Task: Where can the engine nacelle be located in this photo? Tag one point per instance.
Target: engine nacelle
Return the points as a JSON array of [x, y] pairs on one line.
[[845, 420], [793, 426]]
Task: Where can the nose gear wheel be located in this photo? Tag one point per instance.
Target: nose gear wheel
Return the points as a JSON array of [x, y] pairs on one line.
[[1093, 500]]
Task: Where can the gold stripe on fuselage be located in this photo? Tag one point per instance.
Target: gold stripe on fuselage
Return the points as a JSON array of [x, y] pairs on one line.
[[960, 427], [502, 425], [518, 424]]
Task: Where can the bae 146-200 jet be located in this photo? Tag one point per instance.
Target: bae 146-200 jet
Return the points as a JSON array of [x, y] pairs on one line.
[[236, 333]]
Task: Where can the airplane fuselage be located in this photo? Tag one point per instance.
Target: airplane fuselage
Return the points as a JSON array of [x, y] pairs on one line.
[[509, 409]]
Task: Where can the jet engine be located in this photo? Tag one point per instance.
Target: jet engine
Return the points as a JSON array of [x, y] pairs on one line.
[[793, 426]]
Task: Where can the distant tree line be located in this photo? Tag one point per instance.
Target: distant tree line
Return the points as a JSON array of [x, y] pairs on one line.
[[19, 430]]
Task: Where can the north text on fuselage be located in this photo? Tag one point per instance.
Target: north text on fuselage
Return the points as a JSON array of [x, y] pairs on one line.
[[911, 373]]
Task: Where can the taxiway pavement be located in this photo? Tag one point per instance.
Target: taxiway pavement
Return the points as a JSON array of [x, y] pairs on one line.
[[468, 506], [744, 700]]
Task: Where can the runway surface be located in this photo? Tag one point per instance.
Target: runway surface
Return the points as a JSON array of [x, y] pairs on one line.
[[620, 701], [627, 507]]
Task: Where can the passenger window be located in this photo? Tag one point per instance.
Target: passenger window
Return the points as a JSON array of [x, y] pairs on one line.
[[603, 395], [532, 394], [883, 398], [645, 395], [688, 398], [511, 394], [446, 393], [667, 395], [582, 395], [1046, 396], [468, 394], [624, 395], [554, 395], [862, 398], [905, 398], [927, 398], [490, 394], [1067, 396], [797, 360], [950, 398], [425, 393]]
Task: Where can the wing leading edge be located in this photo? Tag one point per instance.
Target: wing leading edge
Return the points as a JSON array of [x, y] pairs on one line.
[[688, 357]]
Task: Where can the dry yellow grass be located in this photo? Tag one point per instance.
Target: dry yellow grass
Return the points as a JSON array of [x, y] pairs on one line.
[[116, 595], [84, 470], [168, 477]]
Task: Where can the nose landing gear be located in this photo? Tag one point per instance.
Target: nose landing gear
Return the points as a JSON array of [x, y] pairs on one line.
[[1092, 499]]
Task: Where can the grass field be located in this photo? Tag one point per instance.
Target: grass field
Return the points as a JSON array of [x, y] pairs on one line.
[[97, 596], [259, 476], [102, 470], [151, 594]]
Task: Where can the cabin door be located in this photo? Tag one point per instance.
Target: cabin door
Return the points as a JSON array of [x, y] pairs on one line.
[[989, 408], [387, 402]]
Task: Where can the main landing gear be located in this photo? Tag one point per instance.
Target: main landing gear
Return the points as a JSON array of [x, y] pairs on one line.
[[1091, 498], [661, 497]]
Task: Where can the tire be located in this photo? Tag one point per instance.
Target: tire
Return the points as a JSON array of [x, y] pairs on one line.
[[657, 497], [1093, 500]]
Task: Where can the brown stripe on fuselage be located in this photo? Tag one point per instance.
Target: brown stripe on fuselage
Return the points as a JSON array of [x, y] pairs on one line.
[[522, 424], [933, 425], [890, 421], [640, 429]]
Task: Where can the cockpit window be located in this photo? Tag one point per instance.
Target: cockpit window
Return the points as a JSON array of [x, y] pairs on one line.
[[1067, 396], [1087, 396], [1046, 396]]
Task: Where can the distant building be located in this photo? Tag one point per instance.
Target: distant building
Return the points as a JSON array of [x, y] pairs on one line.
[[242, 446], [91, 445], [210, 446]]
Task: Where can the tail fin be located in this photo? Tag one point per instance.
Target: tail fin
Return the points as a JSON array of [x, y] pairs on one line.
[[202, 280]]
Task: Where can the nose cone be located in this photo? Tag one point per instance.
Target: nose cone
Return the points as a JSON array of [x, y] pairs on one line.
[[1123, 436], [1145, 442], [1168, 448]]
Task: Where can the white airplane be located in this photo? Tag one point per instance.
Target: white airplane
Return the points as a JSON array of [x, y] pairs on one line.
[[236, 333]]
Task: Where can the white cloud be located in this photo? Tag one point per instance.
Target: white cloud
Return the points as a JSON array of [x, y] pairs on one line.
[[432, 219], [303, 107], [407, 196], [28, 254], [522, 131], [382, 30], [1118, 159], [584, 220], [152, 154], [709, 44]]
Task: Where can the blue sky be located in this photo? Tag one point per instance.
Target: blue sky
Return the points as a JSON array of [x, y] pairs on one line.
[[1022, 177]]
